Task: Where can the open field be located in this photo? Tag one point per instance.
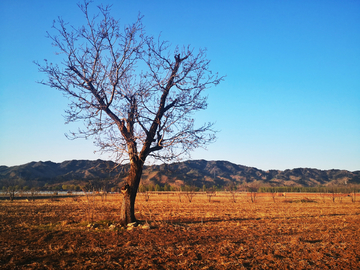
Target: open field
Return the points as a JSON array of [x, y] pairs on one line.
[[299, 231]]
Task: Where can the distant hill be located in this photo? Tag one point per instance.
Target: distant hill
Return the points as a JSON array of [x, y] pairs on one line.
[[50, 173], [220, 173], [191, 172]]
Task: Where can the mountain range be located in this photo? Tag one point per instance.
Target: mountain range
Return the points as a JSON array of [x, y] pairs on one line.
[[191, 172]]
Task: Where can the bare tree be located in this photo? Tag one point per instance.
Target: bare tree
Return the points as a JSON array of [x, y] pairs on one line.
[[211, 192], [11, 190], [179, 191], [333, 191], [190, 192], [253, 189], [136, 95], [273, 195], [353, 189], [232, 188]]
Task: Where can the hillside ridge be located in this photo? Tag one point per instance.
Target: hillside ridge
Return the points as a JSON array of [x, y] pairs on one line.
[[189, 172]]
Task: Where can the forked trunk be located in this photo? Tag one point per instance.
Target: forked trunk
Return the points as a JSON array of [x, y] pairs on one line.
[[129, 190]]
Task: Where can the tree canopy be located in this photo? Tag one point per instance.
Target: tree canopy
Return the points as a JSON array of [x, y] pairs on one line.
[[137, 95]]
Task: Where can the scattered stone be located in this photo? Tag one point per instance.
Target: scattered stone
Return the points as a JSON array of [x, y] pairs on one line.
[[93, 226], [134, 224]]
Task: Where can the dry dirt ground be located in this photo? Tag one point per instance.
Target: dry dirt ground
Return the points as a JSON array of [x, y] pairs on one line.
[[301, 231]]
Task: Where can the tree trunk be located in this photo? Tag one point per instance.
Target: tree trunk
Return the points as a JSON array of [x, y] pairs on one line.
[[130, 190]]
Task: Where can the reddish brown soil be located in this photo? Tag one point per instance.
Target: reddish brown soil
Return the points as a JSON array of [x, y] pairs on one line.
[[291, 233]]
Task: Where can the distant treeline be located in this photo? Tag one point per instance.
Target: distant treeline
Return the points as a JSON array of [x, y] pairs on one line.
[[320, 189], [167, 187], [252, 188]]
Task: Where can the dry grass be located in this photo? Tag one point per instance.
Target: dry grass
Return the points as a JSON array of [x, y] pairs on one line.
[[301, 231]]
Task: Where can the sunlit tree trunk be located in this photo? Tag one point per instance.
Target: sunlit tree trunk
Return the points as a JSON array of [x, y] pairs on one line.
[[130, 191]]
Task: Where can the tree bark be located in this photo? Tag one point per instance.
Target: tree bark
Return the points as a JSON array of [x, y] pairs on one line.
[[129, 191]]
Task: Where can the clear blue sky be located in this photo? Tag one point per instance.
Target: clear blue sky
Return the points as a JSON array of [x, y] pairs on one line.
[[291, 97]]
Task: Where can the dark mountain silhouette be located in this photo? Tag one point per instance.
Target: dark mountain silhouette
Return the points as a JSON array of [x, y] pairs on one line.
[[191, 172]]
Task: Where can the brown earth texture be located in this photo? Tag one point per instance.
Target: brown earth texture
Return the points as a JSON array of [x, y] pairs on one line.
[[232, 231]]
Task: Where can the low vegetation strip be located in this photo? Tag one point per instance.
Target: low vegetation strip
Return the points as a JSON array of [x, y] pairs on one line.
[[173, 233]]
